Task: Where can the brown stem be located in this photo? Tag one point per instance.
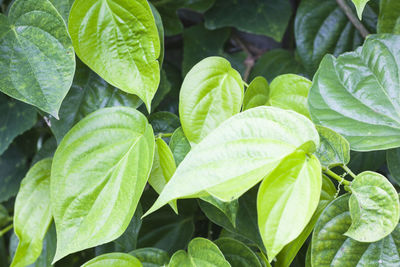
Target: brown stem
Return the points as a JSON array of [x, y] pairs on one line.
[[352, 17], [249, 61]]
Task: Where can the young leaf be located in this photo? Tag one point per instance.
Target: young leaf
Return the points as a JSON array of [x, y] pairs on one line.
[[113, 259], [201, 252], [360, 5], [37, 62], [211, 93], [239, 153], [118, 40], [353, 96], [393, 160], [287, 199], [374, 207], [106, 158], [389, 17], [230, 209], [329, 247], [32, 215], [151, 257], [237, 253], [179, 145], [256, 94], [333, 149]]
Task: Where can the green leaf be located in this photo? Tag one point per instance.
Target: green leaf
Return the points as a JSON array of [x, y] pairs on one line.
[[118, 40], [212, 86], [389, 17], [366, 161], [151, 257], [239, 153], [201, 252], [287, 199], [329, 247], [230, 209], [266, 17], [160, 30], [199, 5], [237, 253], [374, 207], [179, 145], [354, 97], [163, 90], [113, 259], [37, 60], [256, 94], [321, 27], [15, 118], [393, 160], [46, 151], [333, 149], [63, 7], [98, 175], [163, 122], [360, 5], [163, 168], [290, 91], [88, 93], [4, 218], [32, 215]]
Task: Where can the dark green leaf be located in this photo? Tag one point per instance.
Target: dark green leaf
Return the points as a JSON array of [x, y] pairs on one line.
[[179, 145], [237, 253], [393, 164], [46, 151], [389, 17], [366, 161], [163, 122], [230, 209], [4, 218], [151, 257], [63, 7]]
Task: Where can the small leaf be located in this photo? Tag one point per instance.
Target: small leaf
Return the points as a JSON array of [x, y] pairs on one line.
[[237, 253], [374, 207], [179, 145], [389, 17], [393, 160], [113, 259], [163, 122], [360, 5], [201, 252], [32, 215], [230, 209], [106, 158], [151, 257], [118, 40], [256, 94], [210, 87]]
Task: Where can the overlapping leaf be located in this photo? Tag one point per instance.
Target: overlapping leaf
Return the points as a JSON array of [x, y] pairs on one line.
[[389, 17], [113, 259], [237, 253], [256, 94], [151, 257], [333, 149]]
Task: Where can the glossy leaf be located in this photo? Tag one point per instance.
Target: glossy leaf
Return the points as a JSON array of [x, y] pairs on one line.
[[353, 96], [266, 17], [211, 93], [360, 5], [37, 61], [113, 259], [333, 149], [179, 145], [118, 40], [256, 94], [230, 209], [393, 164], [374, 207], [366, 161], [287, 199], [201, 252], [239, 153], [106, 158], [15, 118], [63, 7], [151, 257], [32, 214], [389, 17], [164, 122], [290, 91], [237, 253], [330, 247]]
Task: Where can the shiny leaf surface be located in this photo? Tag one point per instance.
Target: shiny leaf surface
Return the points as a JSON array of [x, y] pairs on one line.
[[113, 259], [179, 145], [237, 253], [151, 257], [256, 94], [333, 149]]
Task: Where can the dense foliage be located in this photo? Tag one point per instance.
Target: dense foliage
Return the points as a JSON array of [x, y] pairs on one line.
[[199, 133]]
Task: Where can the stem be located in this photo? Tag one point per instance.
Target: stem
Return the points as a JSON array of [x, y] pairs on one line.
[[344, 167], [161, 135], [249, 61], [245, 84], [336, 177], [5, 230], [353, 19]]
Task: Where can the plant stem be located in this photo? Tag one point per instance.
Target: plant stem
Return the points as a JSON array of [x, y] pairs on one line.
[[336, 177], [249, 61], [161, 135], [5, 230], [344, 167], [352, 17]]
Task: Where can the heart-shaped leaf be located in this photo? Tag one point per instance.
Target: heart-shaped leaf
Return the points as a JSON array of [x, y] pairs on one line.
[[151, 257], [106, 158], [256, 94], [113, 259], [237, 253], [333, 149], [179, 145]]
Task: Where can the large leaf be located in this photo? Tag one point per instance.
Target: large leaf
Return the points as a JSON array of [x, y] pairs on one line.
[[179, 145], [113, 259], [256, 94], [330, 247], [211, 93], [354, 96], [63, 7], [32, 214], [360, 5], [201, 252], [333, 149], [151, 257], [374, 207], [119, 40], [366, 161], [393, 164], [266, 17], [37, 61], [15, 118], [389, 17], [287, 199], [98, 175], [237, 253], [239, 153]]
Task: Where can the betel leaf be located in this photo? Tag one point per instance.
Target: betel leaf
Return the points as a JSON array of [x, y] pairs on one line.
[[333, 148], [4, 217], [358, 98], [151, 257], [256, 94], [15, 118], [393, 163], [163, 122], [230, 209], [106, 158], [237, 253], [330, 247], [163, 168], [37, 61], [201, 252], [211, 93], [63, 7], [366, 161], [389, 17], [179, 145], [32, 214], [360, 5], [118, 40], [46, 150], [290, 91], [374, 207], [160, 30], [114, 259], [287, 199], [88, 93], [239, 153], [266, 17]]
